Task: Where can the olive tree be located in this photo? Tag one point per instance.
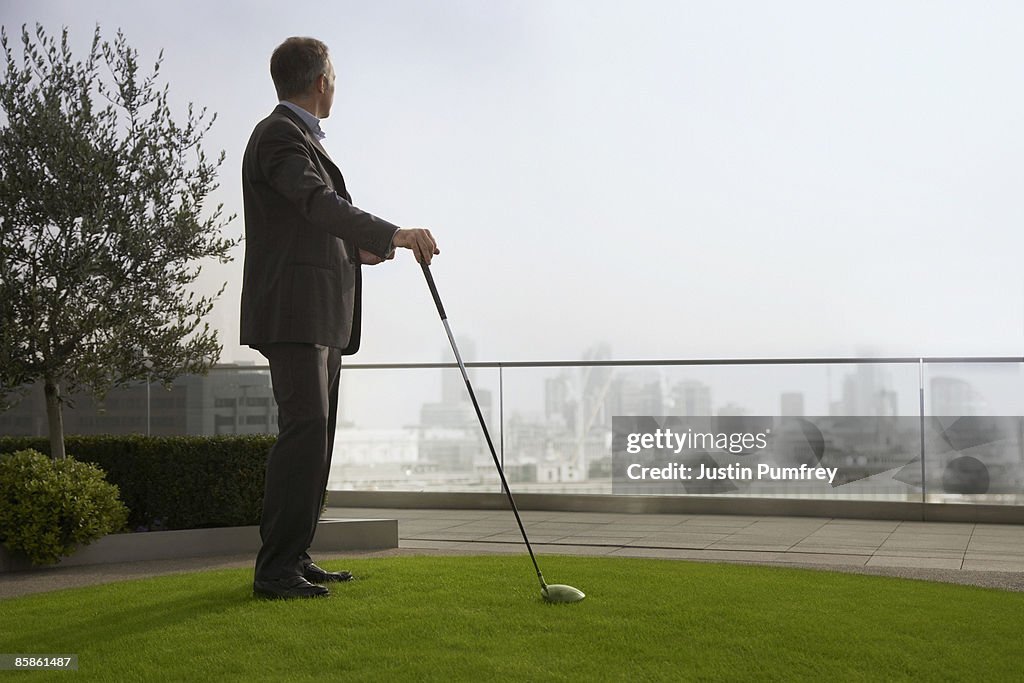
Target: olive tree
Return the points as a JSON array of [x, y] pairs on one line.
[[102, 224]]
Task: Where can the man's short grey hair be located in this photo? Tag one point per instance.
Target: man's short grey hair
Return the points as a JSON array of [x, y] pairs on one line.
[[296, 64]]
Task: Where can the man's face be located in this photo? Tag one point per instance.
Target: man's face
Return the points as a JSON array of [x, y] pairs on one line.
[[327, 97]]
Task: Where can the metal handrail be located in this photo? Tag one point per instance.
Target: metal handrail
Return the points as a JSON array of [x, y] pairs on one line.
[[673, 362]]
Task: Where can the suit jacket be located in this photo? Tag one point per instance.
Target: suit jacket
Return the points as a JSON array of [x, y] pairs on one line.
[[302, 238]]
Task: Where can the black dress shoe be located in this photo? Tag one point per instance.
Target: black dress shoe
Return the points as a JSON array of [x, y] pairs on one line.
[[285, 589], [315, 574]]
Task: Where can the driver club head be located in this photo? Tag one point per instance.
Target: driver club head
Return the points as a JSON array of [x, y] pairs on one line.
[[561, 593]]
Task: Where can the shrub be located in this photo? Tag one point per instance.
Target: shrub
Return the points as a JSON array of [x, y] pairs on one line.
[[48, 508]]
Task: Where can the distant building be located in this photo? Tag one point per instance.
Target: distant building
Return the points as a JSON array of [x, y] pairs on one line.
[[241, 399], [232, 399], [453, 387], [559, 402], [451, 450], [792, 404], [732, 410], [953, 396], [450, 437], [635, 393], [690, 398], [376, 447], [526, 440], [867, 391], [549, 473]]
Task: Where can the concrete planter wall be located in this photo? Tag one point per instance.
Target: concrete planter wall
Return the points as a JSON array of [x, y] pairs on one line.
[[684, 504], [332, 535]]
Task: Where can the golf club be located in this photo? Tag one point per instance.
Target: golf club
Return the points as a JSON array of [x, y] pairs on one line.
[[552, 593]]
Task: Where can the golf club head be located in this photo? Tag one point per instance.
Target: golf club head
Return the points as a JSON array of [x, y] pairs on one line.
[[559, 592]]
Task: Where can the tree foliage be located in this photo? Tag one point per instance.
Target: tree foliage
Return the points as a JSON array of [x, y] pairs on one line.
[[102, 221]]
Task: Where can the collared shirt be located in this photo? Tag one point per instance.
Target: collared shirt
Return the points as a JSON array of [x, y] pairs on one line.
[[312, 122]]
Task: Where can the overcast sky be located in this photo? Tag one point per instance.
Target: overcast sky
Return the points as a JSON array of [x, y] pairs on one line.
[[677, 179]]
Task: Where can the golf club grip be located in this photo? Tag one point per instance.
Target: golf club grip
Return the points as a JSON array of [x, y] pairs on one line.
[[433, 290]]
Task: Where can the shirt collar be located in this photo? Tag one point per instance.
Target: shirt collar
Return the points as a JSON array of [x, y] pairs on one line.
[[312, 122]]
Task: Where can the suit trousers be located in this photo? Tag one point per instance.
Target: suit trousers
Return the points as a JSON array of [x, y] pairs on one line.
[[305, 379]]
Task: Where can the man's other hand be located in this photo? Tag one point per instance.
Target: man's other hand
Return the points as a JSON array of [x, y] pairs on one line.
[[368, 259], [420, 241]]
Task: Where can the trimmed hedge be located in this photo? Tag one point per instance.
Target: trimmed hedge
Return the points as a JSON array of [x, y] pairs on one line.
[[180, 482]]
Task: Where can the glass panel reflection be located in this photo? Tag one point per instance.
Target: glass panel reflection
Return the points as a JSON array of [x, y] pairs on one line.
[[974, 433]]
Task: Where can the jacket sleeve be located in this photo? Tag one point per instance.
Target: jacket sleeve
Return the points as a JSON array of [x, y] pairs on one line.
[[285, 160]]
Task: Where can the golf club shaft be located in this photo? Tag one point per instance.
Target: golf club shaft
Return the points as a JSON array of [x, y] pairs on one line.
[[480, 416]]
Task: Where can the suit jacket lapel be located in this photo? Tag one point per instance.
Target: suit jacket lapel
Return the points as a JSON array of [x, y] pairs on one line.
[[331, 166], [319, 147]]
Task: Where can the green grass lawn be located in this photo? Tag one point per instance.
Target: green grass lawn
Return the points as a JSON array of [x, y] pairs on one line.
[[482, 618]]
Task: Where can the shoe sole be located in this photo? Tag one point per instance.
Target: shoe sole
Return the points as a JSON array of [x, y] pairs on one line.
[[267, 595]]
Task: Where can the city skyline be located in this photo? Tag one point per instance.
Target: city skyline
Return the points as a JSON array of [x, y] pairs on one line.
[[565, 441], [569, 396]]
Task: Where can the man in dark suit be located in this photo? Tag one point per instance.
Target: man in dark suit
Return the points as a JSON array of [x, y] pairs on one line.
[[304, 245]]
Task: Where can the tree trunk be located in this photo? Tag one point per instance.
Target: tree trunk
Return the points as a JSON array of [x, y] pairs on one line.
[[54, 418]]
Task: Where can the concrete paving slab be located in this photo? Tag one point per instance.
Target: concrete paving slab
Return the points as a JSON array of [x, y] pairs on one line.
[[802, 523], [849, 532], [594, 517], [610, 532], [931, 542], [413, 543], [832, 549], [826, 541], [1007, 540], [488, 523], [748, 545], [994, 555], [722, 520], [829, 559], [532, 515], [864, 524], [674, 542], [560, 549], [993, 565], [915, 562], [940, 554], [1001, 530], [448, 535], [774, 539], [943, 528], [562, 527], [708, 528], [661, 539], [647, 528], [485, 548], [994, 546], [514, 537], [416, 527], [664, 553], [661, 518], [596, 540]]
